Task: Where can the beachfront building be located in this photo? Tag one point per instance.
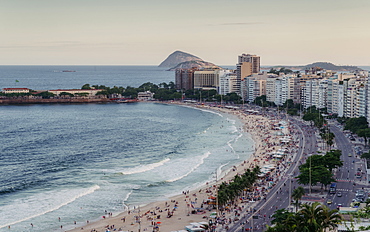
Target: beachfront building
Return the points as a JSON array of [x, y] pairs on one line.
[[88, 92], [227, 83], [208, 79], [145, 96], [315, 93], [294, 88], [246, 66], [184, 78], [354, 97], [335, 97], [16, 90], [281, 88], [255, 85]]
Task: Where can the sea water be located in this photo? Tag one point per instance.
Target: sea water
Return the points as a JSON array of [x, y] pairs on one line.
[[76, 161]]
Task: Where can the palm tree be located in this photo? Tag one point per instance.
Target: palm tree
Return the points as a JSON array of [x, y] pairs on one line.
[[297, 195], [330, 218], [317, 217]]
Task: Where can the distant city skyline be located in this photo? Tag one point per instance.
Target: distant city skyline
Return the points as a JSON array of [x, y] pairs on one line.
[[145, 32]]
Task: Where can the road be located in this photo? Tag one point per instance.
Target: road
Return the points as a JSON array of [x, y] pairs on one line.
[[279, 196], [347, 182]]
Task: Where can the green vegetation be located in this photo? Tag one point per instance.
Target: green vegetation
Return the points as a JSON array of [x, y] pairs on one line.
[[314, 217], [228, 192], [291, 107], [356, 124], [261, 101], [297, 195], [319, 168], [316, 117]]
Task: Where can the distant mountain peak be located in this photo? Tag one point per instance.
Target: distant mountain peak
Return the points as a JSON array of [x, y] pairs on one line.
[[178, 57], [324, 65]]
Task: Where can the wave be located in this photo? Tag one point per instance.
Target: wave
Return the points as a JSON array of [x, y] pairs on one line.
[[157, 184], [126, 198], [88, 191], [144, 168], [208, 111], [192, 169]]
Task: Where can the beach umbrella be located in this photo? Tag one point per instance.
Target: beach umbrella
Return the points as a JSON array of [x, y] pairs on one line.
[[159, 222]]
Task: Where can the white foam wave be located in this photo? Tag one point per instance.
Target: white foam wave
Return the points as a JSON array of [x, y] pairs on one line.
[[144, 168], [126, 198], [213, 112], [201, 161], [56, 207], [208, 111]]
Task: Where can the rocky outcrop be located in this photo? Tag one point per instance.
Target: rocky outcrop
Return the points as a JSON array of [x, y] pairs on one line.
[[195, 64], [184, 60], [178, 57]]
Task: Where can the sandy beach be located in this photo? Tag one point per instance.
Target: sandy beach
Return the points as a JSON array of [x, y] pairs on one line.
[[191, 206]]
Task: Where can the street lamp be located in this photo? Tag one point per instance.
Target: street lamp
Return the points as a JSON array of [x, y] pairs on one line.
[[290, 189]]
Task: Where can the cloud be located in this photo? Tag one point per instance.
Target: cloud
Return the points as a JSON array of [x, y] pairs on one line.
[[238, 24]]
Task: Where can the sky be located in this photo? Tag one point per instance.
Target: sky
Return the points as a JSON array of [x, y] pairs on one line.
[[145, 32]]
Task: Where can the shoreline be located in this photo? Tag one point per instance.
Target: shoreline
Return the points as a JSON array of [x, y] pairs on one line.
[[175, 213]]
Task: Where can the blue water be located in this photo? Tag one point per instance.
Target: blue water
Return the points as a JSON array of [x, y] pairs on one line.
[[51, 77], [76, 161]]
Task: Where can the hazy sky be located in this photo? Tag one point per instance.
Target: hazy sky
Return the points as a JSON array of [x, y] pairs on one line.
[[145, 32]]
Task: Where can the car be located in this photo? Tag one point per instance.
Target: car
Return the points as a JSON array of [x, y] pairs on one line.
[[350, 155], [339, 205], [339, 194], [329, 202]]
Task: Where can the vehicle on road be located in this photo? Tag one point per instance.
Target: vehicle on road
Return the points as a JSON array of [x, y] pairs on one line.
[[329, 202], [339, 205], [339, 194], [333, 188], [349, 155]]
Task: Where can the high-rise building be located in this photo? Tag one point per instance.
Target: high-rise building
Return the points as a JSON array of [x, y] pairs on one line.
[[208, 79], [247, 65], [227, 83], [184, 78]]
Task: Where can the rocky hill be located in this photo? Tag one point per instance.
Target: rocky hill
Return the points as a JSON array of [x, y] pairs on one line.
[[184, 60], [323, 65], [178, 57], [331, 66], [194, 64]]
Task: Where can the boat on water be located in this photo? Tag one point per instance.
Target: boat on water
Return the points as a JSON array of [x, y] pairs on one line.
[[68, 71]]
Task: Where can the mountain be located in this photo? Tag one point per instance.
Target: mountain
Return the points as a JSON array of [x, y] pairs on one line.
[[323, 65], [178, 57], [194, 64], [333, 67]]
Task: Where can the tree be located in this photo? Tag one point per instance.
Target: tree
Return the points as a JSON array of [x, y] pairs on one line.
[[332, 159], [365, 133], [86, 86], [297, 195], [45, 94], [66, 94], [355, 124], [311, 218], [314, 171]]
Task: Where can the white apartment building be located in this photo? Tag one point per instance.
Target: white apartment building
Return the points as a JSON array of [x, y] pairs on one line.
[[255, 85], [228, 83], [281, 88], [315, 93]]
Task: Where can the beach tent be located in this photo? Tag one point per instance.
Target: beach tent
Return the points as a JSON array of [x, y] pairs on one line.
[[194, 226]]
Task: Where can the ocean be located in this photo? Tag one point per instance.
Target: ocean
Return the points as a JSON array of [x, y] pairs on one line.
[[76, 161]]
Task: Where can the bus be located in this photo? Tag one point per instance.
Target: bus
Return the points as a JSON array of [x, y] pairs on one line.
[[333, 188]]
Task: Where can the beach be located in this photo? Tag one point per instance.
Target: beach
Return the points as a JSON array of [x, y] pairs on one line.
[[196, 206]]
